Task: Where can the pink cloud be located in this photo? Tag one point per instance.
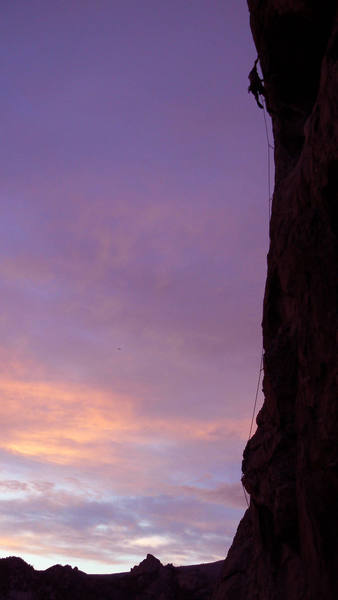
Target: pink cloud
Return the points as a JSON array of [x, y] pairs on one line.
[[133, 235]]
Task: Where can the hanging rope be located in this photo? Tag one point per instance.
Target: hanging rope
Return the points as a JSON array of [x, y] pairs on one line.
[[261, 368], [254, 413], [246, 496], [256, 395], [269, 147]]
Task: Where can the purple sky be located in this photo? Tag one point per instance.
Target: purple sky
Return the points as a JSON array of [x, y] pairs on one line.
[[133, 250]]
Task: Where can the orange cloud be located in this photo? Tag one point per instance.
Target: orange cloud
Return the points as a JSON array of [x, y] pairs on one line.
[[66, 423]]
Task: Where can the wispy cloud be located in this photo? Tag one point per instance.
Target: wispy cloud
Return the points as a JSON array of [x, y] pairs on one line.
[[132, 240], [115, 487], [74, 423], [62, 522]]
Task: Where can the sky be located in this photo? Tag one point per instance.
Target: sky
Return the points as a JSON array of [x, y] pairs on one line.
[[134, 232]]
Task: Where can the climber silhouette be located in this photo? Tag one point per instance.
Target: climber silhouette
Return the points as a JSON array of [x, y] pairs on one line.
[[256, 86]]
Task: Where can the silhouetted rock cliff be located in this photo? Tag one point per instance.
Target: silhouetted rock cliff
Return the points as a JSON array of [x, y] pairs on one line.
[[150, 580], [286, 546]]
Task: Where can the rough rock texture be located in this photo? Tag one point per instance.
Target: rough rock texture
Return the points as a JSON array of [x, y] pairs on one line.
[[150, 580], [286, 546]]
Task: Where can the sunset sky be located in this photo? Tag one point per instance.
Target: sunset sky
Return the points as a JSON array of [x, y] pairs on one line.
[[133, 257]]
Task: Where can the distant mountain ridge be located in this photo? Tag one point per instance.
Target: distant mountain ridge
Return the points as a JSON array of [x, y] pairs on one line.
[[150, 580]]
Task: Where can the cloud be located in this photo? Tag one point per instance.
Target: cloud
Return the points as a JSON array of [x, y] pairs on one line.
[[126, 222], [228, 494], [12, 485], [76, 525], [100, 479], [72, 423]]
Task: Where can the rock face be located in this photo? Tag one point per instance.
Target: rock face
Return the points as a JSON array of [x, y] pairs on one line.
[[286, 546], [150, 580]]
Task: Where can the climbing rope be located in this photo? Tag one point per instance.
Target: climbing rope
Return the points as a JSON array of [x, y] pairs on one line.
[[261, 368], [269, 147], [246, 496]]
